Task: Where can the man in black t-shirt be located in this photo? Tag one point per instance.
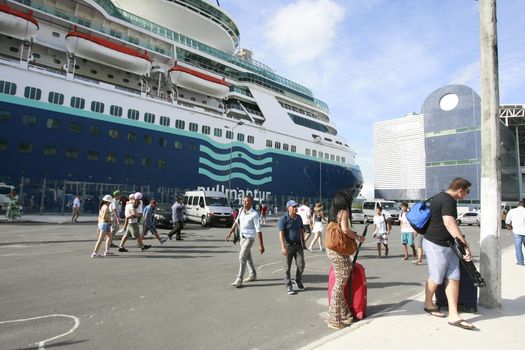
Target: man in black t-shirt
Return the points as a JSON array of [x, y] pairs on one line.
[[443, 263]]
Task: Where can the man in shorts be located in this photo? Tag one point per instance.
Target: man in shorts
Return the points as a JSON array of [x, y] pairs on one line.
[[381, 229], [407, 232], [133, 211], [443, 263], [148, 224]]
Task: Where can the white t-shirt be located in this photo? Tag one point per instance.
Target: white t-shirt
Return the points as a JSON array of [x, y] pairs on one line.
[[76, 203], [405, 225], [249, 223], [305, 213], [380, 223], [128, 210], [516, 217]]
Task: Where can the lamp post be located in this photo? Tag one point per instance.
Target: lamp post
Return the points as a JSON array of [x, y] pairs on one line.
[[239, 123], [317, 140]]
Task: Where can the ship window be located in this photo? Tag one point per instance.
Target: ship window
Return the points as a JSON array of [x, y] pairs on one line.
[[52, 123], [293, 148], [179, 124], [28, 119], [133, 40], [133, 114], [115, 33], [217, 132], [320, 154], [326, 156], [129, 160], [56, 61], [13, 49], [160, 50], [163, 142], [71, 153], [285, 147], [77, 66], [113, 133], [131, 136], [50, 150], [92, 155], [32, 93], [84, 22], [343, 159], [77, 102], [5, 116], [111, 158], [110, 76], [192, 147], [164, 121], [148, 139], [178, 145], [192, 98], [25, 148], [337, 158], [269, 143], [56, 35], [3, 144], [7, 87], [161, 164], [149, 118], [332, 157], [251, 139], [206, 130], [94, 130], [115, 111], [146, 162], [307, 151], [277, 145], [229, 135], [126, 80], [314, 153], [194, 127], [97, 107], [55, 98], [74, 127]]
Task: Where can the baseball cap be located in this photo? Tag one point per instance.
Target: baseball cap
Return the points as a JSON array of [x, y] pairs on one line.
[[138, 195], [107, 198], [116, 193], [291, 203]]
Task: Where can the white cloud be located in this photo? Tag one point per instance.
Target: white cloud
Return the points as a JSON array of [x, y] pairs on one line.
[[303, 30]]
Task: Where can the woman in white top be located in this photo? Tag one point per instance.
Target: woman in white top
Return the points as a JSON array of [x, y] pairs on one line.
[[318, 227]]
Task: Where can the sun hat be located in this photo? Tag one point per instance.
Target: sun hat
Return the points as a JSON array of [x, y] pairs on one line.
[[291, 203], [318, 206], [132, 196], [138, 195], [107, 198]]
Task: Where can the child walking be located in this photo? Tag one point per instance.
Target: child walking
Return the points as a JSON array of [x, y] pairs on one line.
[[104, 226], [318, 227]]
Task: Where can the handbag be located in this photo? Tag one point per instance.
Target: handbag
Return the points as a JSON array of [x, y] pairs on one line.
[[337, 241]]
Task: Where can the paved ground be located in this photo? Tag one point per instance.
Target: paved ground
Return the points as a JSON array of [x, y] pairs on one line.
[[175, 296]]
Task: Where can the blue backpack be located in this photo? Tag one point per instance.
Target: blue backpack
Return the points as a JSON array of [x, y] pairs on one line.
[[419, 216]]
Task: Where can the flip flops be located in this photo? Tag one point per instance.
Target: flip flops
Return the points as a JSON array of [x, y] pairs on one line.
[[435, 312], [462, 324]]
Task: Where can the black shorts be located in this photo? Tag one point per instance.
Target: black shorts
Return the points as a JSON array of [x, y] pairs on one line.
[[307, 229]]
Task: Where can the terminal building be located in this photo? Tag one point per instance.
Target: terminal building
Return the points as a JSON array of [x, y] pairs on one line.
[[417, 156]]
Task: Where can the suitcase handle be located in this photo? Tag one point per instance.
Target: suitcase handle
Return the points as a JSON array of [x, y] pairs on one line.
[[359, 246]]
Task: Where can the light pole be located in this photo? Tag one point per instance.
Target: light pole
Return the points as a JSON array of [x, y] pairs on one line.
[[239, 123], [317, 140]]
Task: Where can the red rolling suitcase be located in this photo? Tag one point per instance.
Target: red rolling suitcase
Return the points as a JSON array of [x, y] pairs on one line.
[[356, 300]]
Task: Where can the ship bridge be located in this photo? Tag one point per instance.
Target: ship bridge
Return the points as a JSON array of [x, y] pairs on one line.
[[196, 19]]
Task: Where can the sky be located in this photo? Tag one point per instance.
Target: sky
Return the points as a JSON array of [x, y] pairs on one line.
[[375, 60]]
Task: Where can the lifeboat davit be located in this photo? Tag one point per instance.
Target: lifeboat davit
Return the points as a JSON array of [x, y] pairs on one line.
[[108, 53], [17, 24], [197, 81]]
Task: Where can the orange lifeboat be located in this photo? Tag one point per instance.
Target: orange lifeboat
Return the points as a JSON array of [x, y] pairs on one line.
[[17, 24], [197, 81], [108, 53]]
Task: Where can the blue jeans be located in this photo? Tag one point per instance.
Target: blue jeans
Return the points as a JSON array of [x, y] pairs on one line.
[[519, 241]]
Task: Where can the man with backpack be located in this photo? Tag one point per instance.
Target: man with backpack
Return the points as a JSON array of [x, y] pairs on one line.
[[291, 235], [443, 263]]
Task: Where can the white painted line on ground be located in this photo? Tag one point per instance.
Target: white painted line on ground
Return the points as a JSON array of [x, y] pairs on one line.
[[41, 344]]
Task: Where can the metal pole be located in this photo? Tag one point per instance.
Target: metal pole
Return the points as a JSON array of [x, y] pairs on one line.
[[518, 156], [320, 182], [490, 252], [230, 172]]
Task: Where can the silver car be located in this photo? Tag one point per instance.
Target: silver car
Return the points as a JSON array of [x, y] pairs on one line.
[[357, 215]]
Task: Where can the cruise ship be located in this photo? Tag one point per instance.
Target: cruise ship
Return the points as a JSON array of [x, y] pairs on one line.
[[157, 94]]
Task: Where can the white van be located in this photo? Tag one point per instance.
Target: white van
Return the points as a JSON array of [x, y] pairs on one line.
[[389, 207], [5, 190], [208, 208]]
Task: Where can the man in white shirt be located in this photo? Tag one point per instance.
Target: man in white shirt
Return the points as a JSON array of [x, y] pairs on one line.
[[305, 213], [76, 209], [515, 220], [381, 229], [249, 227], [133, 211]]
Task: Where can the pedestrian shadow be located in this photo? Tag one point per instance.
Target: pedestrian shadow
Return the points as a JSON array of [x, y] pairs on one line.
[[173, 256], [33, 243], [318, 278], [392, 284]]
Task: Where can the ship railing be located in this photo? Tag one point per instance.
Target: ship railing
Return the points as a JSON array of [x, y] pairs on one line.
[[123, 88], [39, 66]]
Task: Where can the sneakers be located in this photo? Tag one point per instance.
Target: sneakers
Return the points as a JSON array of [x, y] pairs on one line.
[[179, 239], [113, 245], [300, 285], [163, 240], [520, 264], [122, 249], [250, 278], [109, 253], [95, 255], [237, 283], [145, 247], [290, 290]]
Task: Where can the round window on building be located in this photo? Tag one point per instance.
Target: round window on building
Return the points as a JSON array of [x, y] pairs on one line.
[[448, 102]]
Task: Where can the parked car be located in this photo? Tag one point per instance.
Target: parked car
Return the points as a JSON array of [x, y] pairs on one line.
[[358, 216], [162, 215], [468, 218], [208, 208]]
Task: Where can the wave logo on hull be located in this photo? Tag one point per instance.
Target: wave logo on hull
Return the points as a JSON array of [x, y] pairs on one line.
[[216, 166]]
